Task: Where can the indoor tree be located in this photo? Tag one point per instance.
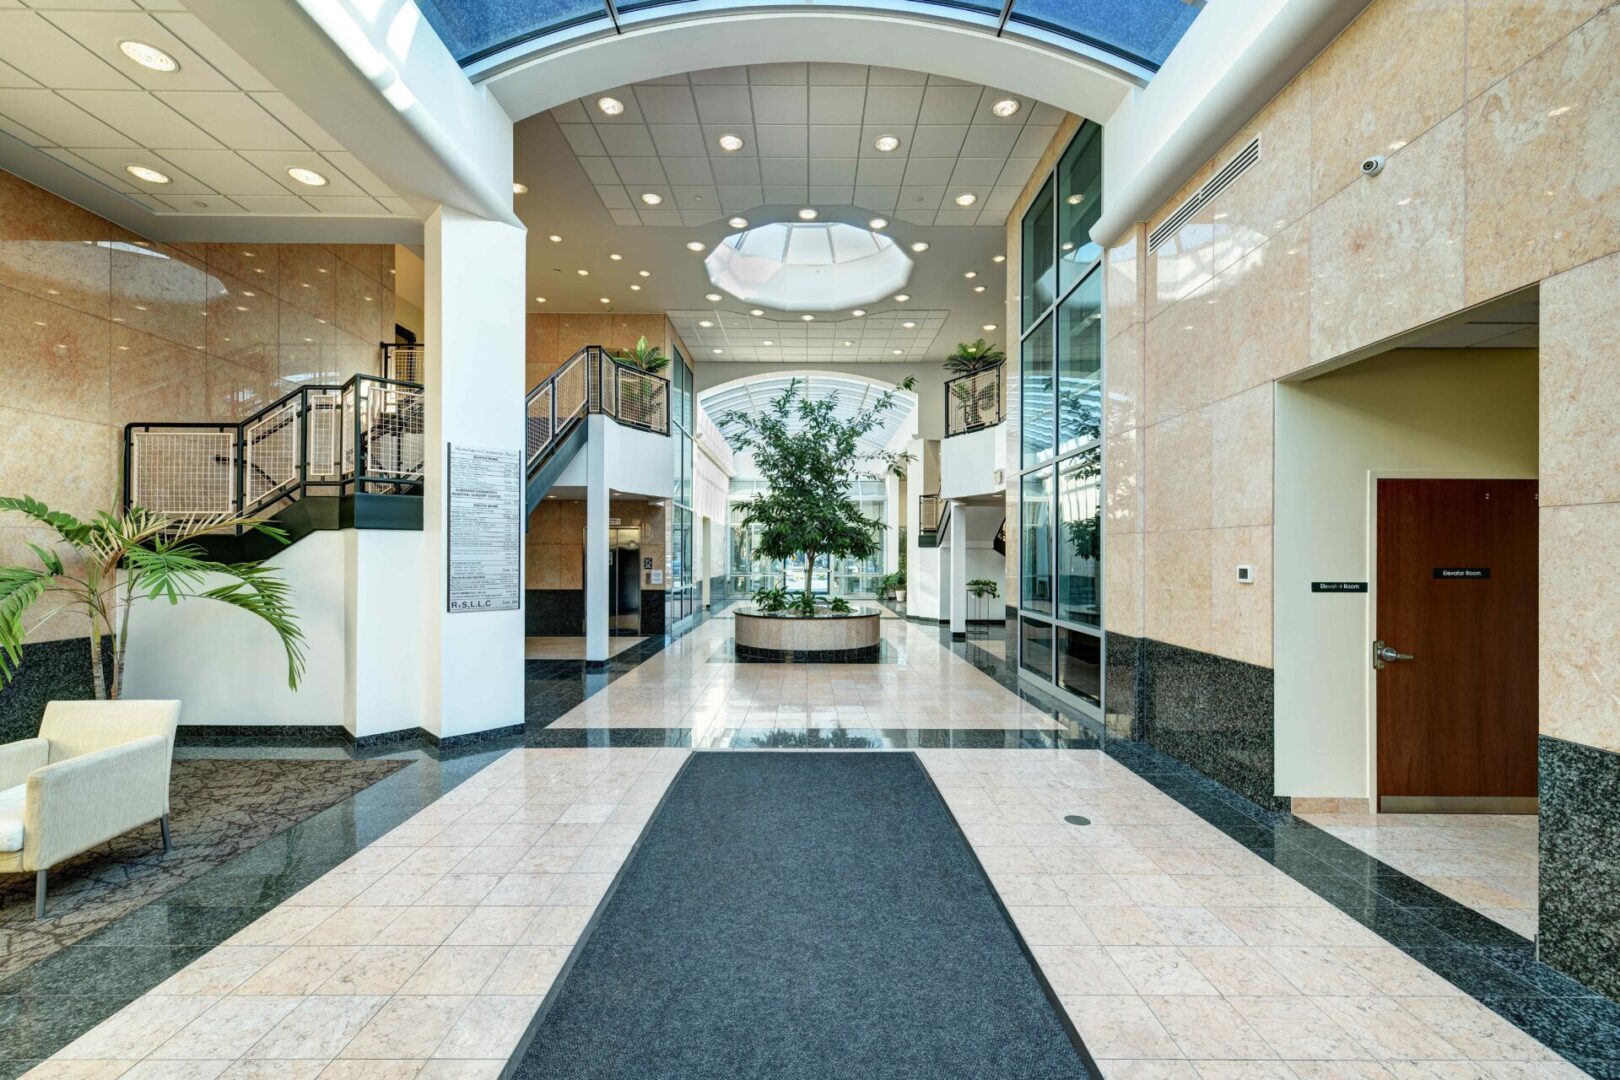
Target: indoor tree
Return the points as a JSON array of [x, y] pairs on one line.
[[111, 562], [811, 458]]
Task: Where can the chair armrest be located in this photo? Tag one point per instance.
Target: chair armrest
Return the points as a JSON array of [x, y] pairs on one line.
[[20, 758], [76, 804]]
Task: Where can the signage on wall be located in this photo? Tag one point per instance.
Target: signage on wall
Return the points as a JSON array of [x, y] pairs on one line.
[[1461, 573], [655, 577], [484, 545], [646, 564], [1338, 586]]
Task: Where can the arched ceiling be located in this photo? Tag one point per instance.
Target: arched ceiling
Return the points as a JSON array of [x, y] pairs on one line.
[[853, 393]]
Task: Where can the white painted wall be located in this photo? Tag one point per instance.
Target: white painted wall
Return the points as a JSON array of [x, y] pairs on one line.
[[969, 464], [1438, 413], [228, 667], [382, 643], [635, 462]]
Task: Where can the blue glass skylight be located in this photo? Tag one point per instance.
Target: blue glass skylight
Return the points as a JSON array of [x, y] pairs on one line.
[[1141, 32]]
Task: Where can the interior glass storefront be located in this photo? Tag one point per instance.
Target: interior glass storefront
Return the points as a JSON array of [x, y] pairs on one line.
[[747, 571], [683, 594], [1060, 381]]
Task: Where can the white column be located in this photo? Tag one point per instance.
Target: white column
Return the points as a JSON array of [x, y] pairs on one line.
[[891, 518], [958, 597], [472, 662], [705, 541], [596, 540]]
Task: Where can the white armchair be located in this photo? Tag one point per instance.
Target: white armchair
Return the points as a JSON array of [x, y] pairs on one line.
[[97, 769]]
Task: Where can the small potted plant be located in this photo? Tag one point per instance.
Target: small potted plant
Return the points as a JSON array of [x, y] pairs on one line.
[[643, 356], [974, 395]]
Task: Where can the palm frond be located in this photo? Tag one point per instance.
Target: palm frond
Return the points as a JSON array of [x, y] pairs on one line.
[[66, 525], [258, 590], [19, 588]]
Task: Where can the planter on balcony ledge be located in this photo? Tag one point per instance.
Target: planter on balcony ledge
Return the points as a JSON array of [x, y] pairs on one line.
[[823, 638]]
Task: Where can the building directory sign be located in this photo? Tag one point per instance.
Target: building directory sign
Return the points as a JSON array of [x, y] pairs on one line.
[[485, 529]]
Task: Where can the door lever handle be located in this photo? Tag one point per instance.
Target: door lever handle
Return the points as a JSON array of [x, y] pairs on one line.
[[1384, 655]]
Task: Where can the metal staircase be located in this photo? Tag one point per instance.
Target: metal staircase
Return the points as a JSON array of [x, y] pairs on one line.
[[933, 515]]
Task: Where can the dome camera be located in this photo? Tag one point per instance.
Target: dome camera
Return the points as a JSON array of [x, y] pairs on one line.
[[1373, 166]]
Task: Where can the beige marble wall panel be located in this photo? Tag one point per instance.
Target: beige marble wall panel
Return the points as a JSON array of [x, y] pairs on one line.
[[1392, 75], [160, 289], [236, 391], [243, 323], [39, 624], [1178, 369], [257, 264], [54, 359], [1387, 252], [1580, 385], [357, 303], [67, 464], [1178, 474], [1122, 382], [1276, 191], [308, 280], [1183, 261], [1580, 624], [540, 346], [1503, 34], [373, 261], [1241, 432], [156, 380], [1122, 284], [1260, 322], [1240, 615], [1122, 583], [1122, 470], [69, 272], [571, 566], [1543, 187], [1176, 588]]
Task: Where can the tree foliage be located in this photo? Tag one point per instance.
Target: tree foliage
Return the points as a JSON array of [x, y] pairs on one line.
[[114, 561], [810, 458]]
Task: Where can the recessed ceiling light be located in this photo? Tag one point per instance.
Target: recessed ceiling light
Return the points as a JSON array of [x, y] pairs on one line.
[[1005, 107], [878, 223], [695, 245], [635, 288], [848, 343], [539, 299], [519, 189], [554, 238], [142, 172], [808, 318], [902, 297], [604, 300], [920, 246], [886, 144], [967, 198], [149, 56], [713, 298], [899, 352], [1076, 199], [767, 341], [807, 214], [998, 259], [705, 323], [308, 177], [988, 326], [909, 325], [1068, 245], [756, 312], [858, 312], [717, 350], [651, 198], [611, 106], [738, 223], [970, 274], [731, 143], [583, 272], [616, 257], [645, 273], [978, 288]]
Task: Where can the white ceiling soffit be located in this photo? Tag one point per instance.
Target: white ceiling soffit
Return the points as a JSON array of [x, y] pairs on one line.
[[853, 393], [883, 337], [533, 84], [75, 112], [809, 136]]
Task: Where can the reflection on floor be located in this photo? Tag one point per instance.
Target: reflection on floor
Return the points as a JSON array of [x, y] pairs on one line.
[[1485, 861], [992, 645], [571, 648]]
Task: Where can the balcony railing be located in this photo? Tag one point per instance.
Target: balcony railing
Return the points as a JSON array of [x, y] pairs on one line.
[[592, 381], [363, 437], [404, 362], [974, 401]]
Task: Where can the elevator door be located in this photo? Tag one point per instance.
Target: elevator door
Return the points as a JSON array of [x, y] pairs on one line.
[[1456, 620], [624, 581]]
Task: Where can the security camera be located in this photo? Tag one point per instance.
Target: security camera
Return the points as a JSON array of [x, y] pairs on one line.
[[1373, 165]]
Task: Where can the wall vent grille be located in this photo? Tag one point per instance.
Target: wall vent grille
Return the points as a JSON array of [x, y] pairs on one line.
[[1241, 162]]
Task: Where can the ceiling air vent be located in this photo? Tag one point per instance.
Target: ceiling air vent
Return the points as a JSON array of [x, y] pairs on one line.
[[1225, 178]]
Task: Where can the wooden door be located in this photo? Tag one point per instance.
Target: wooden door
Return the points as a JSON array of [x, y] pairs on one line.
[[1457, 591]]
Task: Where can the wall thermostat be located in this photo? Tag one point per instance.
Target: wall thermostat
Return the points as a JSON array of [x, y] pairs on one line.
[[1245, 574]]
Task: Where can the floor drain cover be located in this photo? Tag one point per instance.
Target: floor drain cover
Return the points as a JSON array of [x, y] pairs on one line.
[[1076, 819]]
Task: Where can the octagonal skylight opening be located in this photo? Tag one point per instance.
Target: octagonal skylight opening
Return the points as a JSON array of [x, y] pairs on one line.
[[808, 266]]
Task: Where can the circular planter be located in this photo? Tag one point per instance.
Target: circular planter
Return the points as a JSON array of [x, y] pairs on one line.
[[822, 639]]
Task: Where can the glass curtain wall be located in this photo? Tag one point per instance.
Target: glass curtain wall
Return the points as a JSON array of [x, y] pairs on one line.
[[683, 592], [747, 571], [1060, 382]]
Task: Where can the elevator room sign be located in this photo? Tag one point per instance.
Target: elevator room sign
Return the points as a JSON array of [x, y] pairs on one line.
[[485, 543]]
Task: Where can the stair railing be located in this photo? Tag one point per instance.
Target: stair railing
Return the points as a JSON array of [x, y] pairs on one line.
[[592, 381], [974, 401], [931, 511]]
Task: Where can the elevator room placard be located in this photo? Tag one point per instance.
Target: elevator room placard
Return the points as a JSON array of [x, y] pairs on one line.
[[485, 530]]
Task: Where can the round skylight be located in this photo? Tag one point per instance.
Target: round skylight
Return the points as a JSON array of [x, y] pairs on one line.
[[808, 266]]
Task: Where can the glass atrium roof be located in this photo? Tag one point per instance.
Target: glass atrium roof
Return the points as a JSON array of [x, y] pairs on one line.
[[797, 266], [852, 393], [1141, 32]]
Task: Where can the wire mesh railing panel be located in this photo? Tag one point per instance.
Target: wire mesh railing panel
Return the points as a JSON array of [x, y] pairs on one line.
[[607, 387], [323, 444], [929, 510], [404, 363], [392, 436], [540, 420], [270, 452], [973, 401], [572, 390], [183, 472], [643, 399]]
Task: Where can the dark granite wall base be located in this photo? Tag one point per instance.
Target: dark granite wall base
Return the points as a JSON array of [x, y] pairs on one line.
[[1580, 862], [553, 612], [1206, 711], [653, 621], [50, 671]]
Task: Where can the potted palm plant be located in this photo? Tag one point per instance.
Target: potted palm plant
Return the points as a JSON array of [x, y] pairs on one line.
[[99, 569], [640, 395]]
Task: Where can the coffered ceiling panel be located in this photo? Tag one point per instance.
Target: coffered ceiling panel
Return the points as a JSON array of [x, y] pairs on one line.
[[809, 137], [215, 127], [882, 337]]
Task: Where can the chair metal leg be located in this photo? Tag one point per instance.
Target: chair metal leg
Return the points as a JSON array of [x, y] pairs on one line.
[[39, 894], [163, 824]]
